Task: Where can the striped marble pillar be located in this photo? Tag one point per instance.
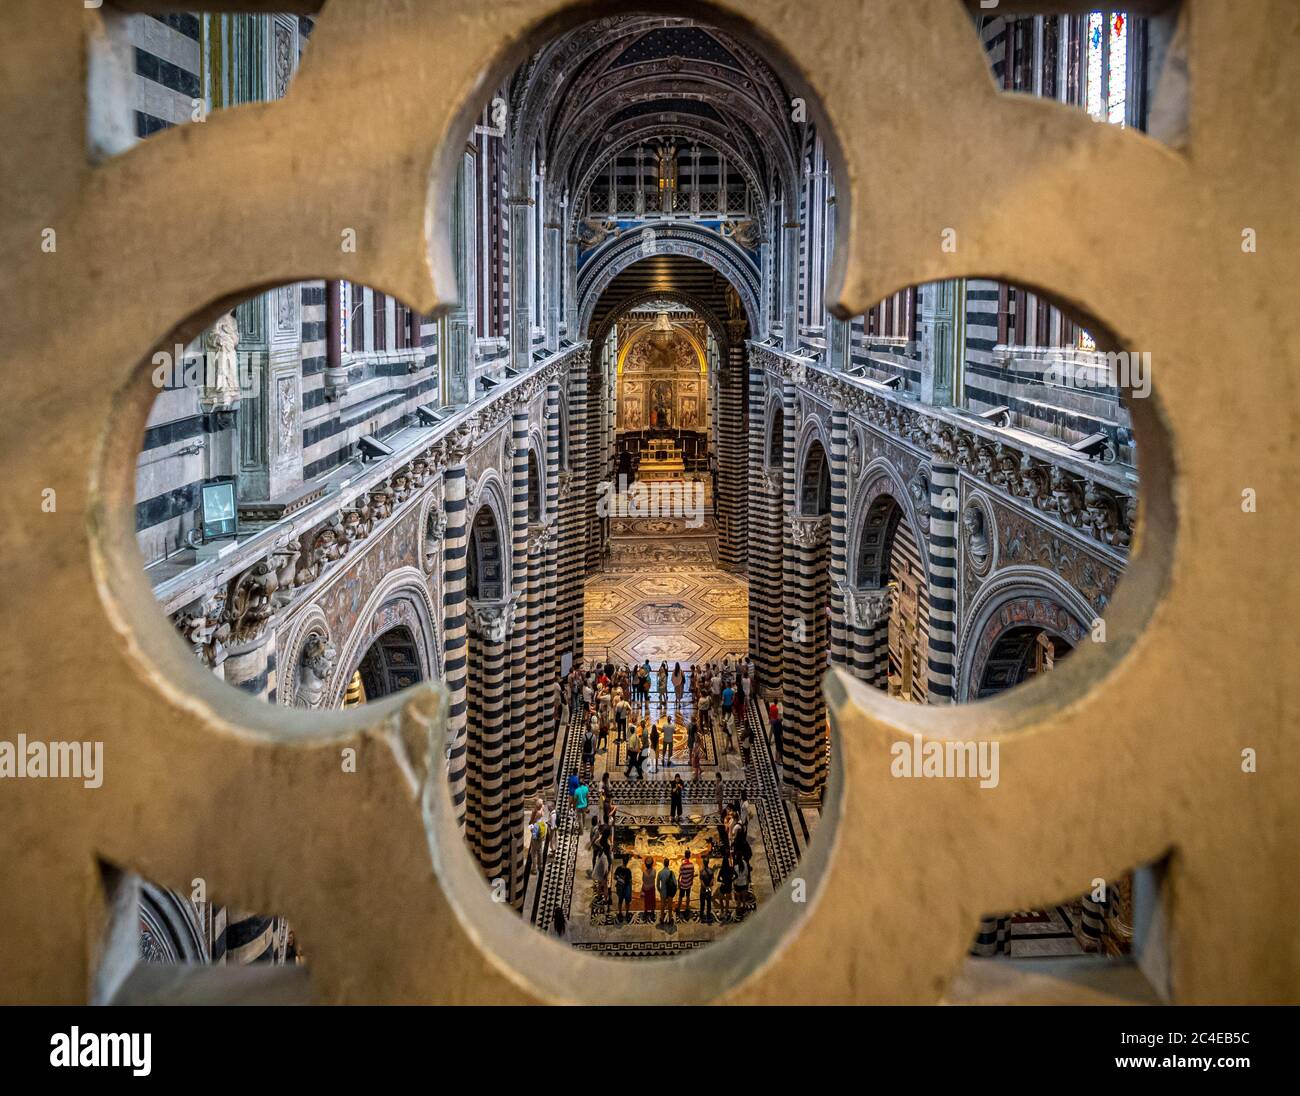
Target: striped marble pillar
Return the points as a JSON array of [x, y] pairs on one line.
[[868, 639], [764, 490], [488, 753], [807, 560], [573, 516], [943, 582], [550, 588], [839, 458], [247, 938], [523, 688], [539, 686], [453, 623], [789, 559], [596, 459], [730, 505]]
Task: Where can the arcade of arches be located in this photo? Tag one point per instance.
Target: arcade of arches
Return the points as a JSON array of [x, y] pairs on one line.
[[641, 439]]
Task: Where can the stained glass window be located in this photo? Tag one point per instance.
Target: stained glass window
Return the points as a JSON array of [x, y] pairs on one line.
[[1095, 58], [1118, 62], [1107, 66]]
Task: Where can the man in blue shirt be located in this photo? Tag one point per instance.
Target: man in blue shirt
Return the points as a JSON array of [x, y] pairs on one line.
[[580, 794]]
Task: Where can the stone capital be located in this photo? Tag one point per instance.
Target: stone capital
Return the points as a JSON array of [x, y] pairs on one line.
[[491, 621], [809, 532]]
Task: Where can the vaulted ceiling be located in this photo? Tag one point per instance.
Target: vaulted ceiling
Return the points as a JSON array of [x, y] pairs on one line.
[[616, 82]]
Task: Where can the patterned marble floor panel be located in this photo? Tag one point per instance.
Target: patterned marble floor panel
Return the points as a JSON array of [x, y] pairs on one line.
[[686, 616]]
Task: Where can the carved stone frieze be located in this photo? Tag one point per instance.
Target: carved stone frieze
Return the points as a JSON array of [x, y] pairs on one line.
[[1022, 540], [1058, 487]]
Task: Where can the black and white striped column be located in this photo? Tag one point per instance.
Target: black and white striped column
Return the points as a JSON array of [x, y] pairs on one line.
[[596, 458], [523, 688], [489, 747], [839, 458], [573, 517], [807, 565], [766, 636], [540, 772], [943, 582], [868, 621], [730, 505], [453, 625], [533, 611]]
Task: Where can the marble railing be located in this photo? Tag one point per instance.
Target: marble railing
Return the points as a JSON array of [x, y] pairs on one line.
[[1088, 497], [230, 600]]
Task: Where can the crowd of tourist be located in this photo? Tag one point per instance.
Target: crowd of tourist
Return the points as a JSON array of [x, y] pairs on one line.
[[618, 705], [645, 712]]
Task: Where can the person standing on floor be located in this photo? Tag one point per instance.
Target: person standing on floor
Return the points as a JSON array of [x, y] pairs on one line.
[[706, 892], [580, 794], [774, 718], [726, 879], [648, 886], [667, 886], [742, 884], [675, 800], [706, 703], [621, 713], [634, 755], [679, 683], [685, 878], [654, 744], [600, 872], [623, 889], [662, 676]]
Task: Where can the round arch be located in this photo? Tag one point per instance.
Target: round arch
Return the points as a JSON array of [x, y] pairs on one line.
[[811, 432], [1018, 597], [640, 335], [635, 300], [669, 239], [400, 600], [487, 551], [774, 433], [881, 479]]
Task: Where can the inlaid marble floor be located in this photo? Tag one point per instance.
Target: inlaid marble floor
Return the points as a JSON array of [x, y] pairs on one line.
[[663, 597]]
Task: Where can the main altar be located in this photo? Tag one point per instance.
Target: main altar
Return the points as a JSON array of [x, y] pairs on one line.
[[660, 460]]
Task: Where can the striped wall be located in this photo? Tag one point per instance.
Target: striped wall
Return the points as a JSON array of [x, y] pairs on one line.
[[943, 583], [488, 741], [523, 685], [455, 652], [537, 775], [573, 539], [730, 441], [839, 533], [765, 508]]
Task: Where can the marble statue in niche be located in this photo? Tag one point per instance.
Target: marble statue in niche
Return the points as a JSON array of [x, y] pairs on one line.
[[314, 669], [975, 530], [221, 375]]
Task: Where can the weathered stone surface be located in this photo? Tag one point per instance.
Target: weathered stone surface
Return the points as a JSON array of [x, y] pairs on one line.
[[1133, 752]]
